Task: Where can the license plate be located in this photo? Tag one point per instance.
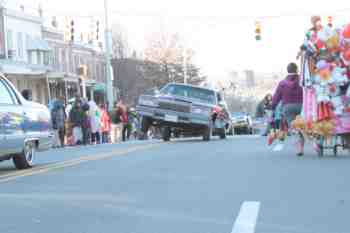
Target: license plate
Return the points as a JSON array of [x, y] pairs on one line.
[[170, 118]]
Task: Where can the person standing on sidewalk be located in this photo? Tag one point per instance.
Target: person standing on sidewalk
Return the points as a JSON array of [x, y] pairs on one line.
[[58, 116], [76, 118], [95, 119], [105, 124], [290, 94], [122, 112]]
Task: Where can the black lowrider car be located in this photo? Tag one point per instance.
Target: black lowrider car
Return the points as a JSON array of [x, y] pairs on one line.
[[184, 109]]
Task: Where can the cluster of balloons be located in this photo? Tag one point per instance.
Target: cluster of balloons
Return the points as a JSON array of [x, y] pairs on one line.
[[329, 43]]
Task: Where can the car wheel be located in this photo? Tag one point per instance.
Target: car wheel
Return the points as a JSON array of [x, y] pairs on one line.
[[208, 131], [26, 158], [145, 124], [166, 134], [222, 133]]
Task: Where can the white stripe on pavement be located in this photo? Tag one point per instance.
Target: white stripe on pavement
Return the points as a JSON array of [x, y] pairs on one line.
[[247, 217], [278, 147]]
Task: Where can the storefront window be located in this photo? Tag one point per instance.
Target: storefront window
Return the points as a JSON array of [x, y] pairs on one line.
[[76, 63], [9, 39], [46, 58], [30, 57], [39, 58], [20, 44], [64, 60]]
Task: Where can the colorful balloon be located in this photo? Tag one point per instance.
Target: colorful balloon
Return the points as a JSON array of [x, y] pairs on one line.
[[333, 42], [325, 74], [346, 55], [320, 44], [346, 31], [322, 64]]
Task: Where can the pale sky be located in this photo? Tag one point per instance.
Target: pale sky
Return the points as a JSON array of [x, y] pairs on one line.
[[221, 32]]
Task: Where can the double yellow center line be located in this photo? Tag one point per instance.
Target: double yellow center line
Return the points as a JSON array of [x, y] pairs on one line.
[[72, 162]]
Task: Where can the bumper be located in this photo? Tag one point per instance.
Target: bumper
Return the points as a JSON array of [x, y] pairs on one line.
[[182, 118], [240, 126]]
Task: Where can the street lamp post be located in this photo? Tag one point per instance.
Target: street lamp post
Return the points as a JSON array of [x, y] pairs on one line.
[[109, 84]]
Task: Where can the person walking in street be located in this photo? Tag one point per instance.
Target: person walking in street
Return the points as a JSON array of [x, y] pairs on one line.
[[264, 110], [58, 117], [105, 124], [76, 119], [290, 94], [95, 121]]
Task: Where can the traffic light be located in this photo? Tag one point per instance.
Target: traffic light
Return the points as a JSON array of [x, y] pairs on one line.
[[257, 30], [72, 30], [330, 21], [82, 71], [67, 30], [97, 30]]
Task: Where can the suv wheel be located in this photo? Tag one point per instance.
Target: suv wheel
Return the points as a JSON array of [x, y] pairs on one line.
[[222, 133], [145, 125], [166, 134], [26, 158], [208, 131]]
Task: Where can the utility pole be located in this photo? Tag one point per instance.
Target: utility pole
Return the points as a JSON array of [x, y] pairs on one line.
[[108, 39]]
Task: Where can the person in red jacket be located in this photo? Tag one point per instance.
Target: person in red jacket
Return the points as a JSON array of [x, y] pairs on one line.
[[105, 124], [124, 118]]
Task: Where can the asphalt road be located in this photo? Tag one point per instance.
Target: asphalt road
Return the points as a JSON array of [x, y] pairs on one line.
[[186, 186]]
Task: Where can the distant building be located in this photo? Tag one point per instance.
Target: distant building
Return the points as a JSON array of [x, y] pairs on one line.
[[38, 58], [130, 80], [68, 59], [24, 55], [250, 78]]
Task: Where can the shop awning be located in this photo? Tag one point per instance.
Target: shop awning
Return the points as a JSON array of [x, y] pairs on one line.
[[100, 87], [90, 82], [55, 76]]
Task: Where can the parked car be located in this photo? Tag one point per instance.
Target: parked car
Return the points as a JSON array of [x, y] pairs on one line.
[[187, 110], [25, 127], [259, 125], [241, 123]]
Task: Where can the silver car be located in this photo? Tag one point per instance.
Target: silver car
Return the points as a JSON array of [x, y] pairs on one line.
[[25, 127]]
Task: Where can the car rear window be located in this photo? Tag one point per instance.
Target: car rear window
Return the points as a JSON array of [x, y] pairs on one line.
[[200, 94]]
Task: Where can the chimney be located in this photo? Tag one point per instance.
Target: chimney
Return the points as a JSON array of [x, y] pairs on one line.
[[40, 11], [54, 22]]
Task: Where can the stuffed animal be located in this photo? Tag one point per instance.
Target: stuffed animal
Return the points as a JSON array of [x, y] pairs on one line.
[[339, 76]]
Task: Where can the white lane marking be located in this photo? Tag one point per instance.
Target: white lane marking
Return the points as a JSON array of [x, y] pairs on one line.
[[247, 217], [278, 147]]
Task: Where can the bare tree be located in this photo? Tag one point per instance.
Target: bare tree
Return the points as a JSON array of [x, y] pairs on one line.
[[120, 45], [164, 60]]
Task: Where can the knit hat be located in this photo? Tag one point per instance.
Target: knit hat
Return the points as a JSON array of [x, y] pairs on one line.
[[314, 19], [292, 68]]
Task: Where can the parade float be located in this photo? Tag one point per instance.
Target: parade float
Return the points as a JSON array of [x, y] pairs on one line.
[[325, 78]]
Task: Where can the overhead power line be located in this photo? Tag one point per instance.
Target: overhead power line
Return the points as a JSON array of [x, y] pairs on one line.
[[231, 18]]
